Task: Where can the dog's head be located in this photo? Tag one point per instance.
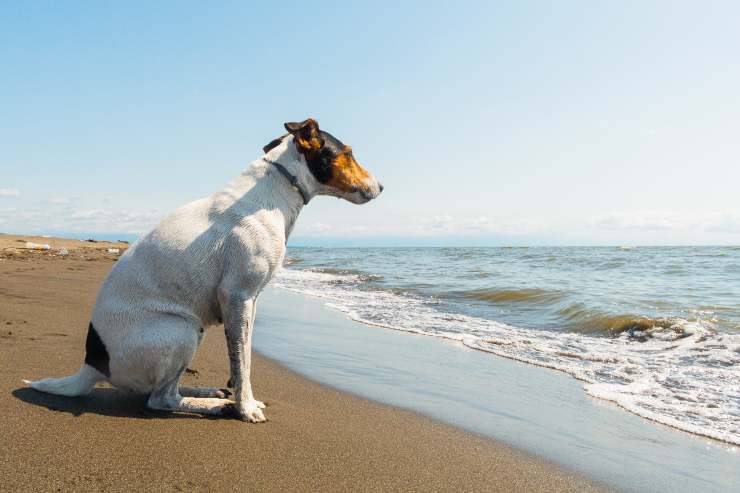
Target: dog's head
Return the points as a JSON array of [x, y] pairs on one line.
[[330, 162]]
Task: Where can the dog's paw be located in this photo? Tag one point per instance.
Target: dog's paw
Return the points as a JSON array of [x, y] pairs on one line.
[[260, 404], [251, 412]]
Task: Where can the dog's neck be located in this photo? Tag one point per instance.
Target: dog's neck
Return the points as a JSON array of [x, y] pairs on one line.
[[286, 155], [263, 186]]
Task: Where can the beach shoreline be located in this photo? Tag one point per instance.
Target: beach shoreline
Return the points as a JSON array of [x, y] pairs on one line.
[[317, 437], [539, 410]]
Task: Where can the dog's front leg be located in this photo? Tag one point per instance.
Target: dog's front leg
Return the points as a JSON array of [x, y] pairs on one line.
[[238, 310]]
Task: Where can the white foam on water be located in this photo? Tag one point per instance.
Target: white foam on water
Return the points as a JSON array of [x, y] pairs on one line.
[[686, 376]]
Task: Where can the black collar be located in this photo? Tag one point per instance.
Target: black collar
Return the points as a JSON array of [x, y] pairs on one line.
[[292, 179]]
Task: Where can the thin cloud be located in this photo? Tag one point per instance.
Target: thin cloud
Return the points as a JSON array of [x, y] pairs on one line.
[[94, 220], [641, 220], [724, 223], [324, 229], [10, 193], [430, 226], [448, 224], [59, 201], [667, 221]]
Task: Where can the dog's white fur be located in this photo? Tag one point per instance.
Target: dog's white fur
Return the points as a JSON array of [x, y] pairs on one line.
[[205, 262]]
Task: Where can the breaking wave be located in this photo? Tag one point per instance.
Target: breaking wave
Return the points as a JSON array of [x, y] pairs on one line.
[[511, 295]]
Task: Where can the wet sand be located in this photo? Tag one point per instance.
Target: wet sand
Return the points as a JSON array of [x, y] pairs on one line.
[[317, 438]]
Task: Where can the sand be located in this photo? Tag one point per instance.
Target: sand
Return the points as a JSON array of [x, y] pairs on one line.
[[317, 438], [32, 248]]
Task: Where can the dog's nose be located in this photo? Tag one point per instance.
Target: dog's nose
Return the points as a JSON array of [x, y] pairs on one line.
[[380, 186]]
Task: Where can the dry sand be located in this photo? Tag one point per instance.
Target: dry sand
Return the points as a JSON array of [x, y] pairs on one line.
[[317, 438]]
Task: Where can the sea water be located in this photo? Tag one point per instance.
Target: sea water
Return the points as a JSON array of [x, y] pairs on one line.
[[654, 329]]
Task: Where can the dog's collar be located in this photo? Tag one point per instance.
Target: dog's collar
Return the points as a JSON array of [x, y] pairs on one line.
[[292, 179]]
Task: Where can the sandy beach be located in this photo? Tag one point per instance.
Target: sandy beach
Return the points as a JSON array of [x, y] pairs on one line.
[[317, 438]]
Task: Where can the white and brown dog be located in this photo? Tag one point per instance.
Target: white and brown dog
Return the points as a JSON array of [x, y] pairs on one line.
[[206, 264]]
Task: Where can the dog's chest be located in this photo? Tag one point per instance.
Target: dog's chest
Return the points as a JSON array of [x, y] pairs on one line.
[[260, 243]]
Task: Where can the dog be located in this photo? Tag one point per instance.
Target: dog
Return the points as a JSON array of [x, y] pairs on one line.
[[206, 264]]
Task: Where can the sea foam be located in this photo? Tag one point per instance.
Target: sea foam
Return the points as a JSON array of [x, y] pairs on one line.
[[682, 374]]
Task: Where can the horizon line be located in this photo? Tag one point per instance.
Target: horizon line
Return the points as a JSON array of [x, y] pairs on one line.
[[131, 237]]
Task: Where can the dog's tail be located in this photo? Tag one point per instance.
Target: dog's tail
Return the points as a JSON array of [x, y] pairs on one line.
[[81, 383], [96, 369]]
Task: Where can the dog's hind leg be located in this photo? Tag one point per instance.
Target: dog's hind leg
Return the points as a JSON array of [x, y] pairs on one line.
[[164, 348], [203, 392], [167, 398]]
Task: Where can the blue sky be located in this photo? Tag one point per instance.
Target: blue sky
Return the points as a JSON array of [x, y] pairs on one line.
[[488, 122]]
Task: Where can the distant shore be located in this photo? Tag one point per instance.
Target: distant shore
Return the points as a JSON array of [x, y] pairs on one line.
[[30, 247], [317, 438]]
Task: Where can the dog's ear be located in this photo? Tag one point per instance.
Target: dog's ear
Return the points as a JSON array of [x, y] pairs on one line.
[[273, 144], [307, 136]]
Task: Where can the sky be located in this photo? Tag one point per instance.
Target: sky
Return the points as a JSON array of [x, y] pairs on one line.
[[488, 123]]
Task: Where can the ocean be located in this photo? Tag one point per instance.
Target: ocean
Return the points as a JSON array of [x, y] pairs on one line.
[[655, 330]]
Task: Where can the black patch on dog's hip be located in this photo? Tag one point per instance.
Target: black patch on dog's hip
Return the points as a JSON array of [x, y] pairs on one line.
[[95, 353]]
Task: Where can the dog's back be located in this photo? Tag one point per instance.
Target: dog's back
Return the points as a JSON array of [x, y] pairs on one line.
[[175, 268]]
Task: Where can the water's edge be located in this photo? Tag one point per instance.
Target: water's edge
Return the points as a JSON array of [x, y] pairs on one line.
[[542, 412], [680, 371]]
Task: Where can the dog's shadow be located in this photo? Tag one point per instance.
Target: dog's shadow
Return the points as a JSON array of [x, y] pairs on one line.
[[103, 401]]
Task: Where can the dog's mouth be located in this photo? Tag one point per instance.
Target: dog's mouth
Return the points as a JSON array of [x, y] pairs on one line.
[[366, 195], [362, 194]]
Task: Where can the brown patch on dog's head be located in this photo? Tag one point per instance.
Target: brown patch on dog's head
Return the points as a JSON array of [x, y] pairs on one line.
[[307, 135], [347, 174]]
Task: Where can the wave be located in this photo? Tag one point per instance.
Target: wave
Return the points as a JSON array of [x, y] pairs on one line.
[[686, 379], [346, 274], [292, 260], [577, 317], [531, 295], [674, 371], [581, 319]]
